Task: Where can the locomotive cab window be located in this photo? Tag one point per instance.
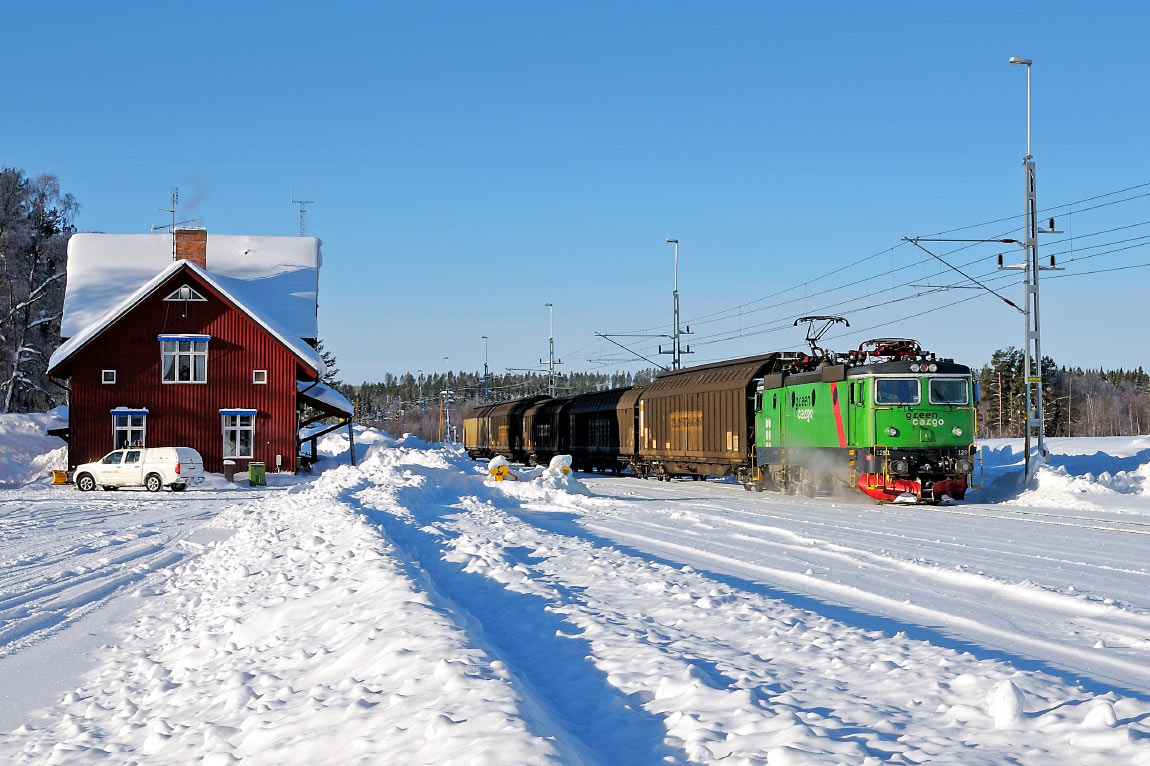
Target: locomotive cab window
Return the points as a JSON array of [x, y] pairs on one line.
[[949, 391], [896, 391]]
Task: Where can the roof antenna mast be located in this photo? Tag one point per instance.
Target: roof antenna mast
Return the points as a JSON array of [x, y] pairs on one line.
[[171, 226], [303, 203]]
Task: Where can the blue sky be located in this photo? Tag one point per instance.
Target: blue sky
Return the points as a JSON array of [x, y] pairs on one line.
[[473, 161]]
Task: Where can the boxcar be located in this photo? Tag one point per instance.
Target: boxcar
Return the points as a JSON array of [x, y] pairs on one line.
[[545, 427], [502, 425], [700, 421], [598, 428]]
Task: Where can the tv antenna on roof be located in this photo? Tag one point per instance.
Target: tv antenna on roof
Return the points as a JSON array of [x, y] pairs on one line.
[[303, 203], [171, 227]]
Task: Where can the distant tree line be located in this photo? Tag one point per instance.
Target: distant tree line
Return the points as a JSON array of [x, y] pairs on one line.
[[424, 404], [1075, 401]]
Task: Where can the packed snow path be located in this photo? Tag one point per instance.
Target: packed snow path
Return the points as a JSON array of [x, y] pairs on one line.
[[410, 612]]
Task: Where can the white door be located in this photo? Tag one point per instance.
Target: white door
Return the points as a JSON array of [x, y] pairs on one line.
[[110, 469], [131, 470]]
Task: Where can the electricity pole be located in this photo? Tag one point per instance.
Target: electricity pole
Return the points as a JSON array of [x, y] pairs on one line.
[[486, 387], [1035, 438], [551, 360], [676, 351], [446, 410]]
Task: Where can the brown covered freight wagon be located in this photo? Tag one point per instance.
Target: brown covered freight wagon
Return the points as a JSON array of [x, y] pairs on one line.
[[602, 428], [545, 430], [700, 421], [497, 429]]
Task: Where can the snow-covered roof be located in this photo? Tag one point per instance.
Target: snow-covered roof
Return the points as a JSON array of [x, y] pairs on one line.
[[292, 341], [325, 394], [278, 276]]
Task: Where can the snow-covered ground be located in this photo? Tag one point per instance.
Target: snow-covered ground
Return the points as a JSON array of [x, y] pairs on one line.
[[410, 611]]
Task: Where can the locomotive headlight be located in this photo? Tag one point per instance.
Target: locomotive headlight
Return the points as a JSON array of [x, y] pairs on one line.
[[964, 466], [914, 367], [932, 368], [892, 431], [957, 431], [899, 466]]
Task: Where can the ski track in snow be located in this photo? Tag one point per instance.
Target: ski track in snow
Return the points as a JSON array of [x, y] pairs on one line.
[[409, 612], [59, 562]]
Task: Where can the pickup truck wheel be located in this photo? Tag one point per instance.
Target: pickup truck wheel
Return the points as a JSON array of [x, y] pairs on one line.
[[85, 483], [179, 487], [153, 483]]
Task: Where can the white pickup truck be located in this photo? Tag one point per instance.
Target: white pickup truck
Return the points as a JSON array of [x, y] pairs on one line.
[[150, 467]]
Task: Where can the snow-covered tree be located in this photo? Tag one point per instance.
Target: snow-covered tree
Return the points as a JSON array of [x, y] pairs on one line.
[[36, 219]]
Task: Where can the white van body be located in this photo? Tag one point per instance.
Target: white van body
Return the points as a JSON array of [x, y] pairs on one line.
[[150, 467]]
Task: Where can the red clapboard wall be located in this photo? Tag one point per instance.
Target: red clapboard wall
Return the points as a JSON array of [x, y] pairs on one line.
[[186, 414]]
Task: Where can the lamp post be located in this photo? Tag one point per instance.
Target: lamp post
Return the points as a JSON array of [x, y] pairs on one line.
[[675, 297], [447, 401], [551, 361], [676, 351], [1032, 357], [486, 390]]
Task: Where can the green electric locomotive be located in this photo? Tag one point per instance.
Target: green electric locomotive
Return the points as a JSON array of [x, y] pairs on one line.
[[890, 419]]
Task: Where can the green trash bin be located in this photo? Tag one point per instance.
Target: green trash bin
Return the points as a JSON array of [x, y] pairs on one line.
[[257, 474]]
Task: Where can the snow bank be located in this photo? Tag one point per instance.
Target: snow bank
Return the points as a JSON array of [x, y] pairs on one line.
[[302, 638], [27, 452], [1082, 472]]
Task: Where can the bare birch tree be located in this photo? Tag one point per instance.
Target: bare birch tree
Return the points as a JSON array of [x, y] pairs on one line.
[[36, 220]]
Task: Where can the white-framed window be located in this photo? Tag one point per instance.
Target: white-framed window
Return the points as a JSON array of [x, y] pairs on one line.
[[185, 293], [184, 358], [107, 376], [260, 377], [129, 428], [895, 391], [239, 431], [949, 391]]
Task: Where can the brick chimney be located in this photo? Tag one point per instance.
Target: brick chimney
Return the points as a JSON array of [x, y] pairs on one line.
[[192, 245]]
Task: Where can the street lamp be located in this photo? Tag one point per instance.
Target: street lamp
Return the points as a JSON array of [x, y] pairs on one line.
[[486, 391], [1026, 63], [675, 359], [447, 401], [550, 350], [1032, 356]]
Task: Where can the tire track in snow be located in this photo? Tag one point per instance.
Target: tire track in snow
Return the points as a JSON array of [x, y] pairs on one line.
[[1093, 638], [67, 561], [549, 661]]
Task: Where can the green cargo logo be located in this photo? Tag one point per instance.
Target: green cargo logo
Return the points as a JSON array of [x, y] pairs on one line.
[[806, 414], [925, 419]]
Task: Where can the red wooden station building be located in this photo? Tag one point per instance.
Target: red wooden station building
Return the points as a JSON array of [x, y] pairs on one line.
[[187, 339]]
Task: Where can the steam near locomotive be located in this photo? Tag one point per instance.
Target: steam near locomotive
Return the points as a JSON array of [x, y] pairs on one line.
[[888, 419]]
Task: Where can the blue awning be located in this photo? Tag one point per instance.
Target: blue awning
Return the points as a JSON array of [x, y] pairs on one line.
[[204, 338], [127, 411], [237, 412]]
